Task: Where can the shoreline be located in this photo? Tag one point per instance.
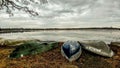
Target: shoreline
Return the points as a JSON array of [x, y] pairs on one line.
[[54, 59], [16, 30]]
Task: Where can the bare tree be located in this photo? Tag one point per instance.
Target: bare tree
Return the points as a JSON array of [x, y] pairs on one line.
[[10, 5]]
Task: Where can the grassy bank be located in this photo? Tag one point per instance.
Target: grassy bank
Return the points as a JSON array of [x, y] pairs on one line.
[[54, 59]]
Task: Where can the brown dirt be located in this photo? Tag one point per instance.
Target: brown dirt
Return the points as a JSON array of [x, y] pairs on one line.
[[54, 59]]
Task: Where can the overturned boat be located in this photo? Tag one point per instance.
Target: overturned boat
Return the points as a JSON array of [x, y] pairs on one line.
[[97, 47], [33, 47], [71, 50]]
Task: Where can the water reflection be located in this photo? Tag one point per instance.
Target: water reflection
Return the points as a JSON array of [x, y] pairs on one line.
[[63, 35]]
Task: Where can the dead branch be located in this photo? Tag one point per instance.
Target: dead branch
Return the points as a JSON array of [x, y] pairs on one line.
[[8, 4]]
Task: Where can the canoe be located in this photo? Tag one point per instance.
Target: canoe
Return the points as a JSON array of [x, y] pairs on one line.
[[33, 47], [97, 47], [71, 50]]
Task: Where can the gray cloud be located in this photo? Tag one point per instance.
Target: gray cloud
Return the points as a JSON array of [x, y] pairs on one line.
[[66, 13]]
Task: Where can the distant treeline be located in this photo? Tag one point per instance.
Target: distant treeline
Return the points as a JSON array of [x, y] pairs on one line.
[[8, 30]]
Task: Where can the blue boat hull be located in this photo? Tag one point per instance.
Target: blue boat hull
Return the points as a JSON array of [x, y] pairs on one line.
[[71, 50]]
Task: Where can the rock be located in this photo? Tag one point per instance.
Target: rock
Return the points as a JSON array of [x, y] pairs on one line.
[[33, 47], [98, 47], [71, 50], [115, 43]]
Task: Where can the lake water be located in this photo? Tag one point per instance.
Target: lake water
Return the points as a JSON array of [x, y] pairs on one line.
[[64, 35]]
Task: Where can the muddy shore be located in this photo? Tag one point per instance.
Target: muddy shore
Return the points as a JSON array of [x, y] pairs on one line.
[[54, 59]]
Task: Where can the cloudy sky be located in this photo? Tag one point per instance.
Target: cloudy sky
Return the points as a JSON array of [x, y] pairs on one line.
[[64, 13]]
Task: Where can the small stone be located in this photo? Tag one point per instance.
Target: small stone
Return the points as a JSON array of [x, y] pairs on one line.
[[21, 55]]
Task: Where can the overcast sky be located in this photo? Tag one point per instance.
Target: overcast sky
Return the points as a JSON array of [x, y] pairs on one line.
[[65, 13]]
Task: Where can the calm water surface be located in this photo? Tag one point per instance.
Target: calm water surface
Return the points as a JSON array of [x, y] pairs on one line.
[[64, 35]]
